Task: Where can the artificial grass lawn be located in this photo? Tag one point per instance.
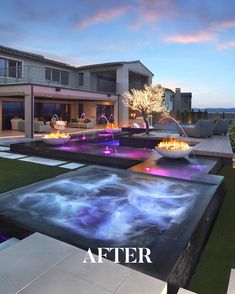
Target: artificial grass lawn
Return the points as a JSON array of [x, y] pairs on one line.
[[16, 173], [213, 271]]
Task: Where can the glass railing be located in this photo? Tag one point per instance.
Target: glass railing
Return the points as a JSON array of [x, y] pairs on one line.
[[37, 75]]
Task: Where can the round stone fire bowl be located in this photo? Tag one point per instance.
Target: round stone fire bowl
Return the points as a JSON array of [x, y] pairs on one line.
[[56, 141], [173, 153]]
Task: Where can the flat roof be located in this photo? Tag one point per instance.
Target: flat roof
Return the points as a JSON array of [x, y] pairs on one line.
[[113, 64], [41, 58]]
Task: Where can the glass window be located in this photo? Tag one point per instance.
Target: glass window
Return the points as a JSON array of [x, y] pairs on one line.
[[55, 76], [19, 69], [48, 74], [14, 69], [64, 78], [81, 79], [11, 110], [2, 67], [185, 100]]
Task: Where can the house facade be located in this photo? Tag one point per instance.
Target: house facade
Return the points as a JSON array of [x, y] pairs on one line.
[[178, 101], [34, 87]]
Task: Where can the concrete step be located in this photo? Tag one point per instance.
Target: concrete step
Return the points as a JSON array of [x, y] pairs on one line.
[[8, 243]]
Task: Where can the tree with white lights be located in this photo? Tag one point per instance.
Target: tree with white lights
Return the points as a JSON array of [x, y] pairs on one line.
[[147, 101]]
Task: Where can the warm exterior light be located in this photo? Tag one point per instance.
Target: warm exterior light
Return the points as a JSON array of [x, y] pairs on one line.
[[150, 99], [111, 128], [173, 144], [56, 136]]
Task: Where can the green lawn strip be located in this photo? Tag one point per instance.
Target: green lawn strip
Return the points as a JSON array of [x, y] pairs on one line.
[[218, 257], [15, 173]]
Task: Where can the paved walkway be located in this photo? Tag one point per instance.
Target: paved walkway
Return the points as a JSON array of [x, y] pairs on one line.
[[5, 153]]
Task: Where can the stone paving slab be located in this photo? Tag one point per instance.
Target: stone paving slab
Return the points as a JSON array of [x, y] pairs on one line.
[[30, 258], [44, 161], [231, 286], [11, 155], [72, 165], [40, 264], [4, 148]]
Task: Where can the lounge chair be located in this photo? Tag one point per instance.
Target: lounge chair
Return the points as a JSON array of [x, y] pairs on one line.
[[202, 129], [221, 127]]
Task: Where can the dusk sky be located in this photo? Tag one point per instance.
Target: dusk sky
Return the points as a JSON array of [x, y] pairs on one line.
[[185, 43]]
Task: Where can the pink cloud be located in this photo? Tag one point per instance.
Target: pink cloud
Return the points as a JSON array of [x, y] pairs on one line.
[[101, 16], [226, 45], [223, 25], [148, 12], [145, 18], [191, 38]]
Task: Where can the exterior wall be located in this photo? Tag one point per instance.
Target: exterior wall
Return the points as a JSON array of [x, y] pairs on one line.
[[177, 100], [34, 71], [74, 110], [182, 101], [169, 96], [186, 101], [138, 68], [87, 78], [123, 81]]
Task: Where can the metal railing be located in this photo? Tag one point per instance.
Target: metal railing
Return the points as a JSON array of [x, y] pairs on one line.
[[37, 75]]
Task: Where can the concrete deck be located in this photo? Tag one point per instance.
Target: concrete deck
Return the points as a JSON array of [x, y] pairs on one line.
[[40, 264], [216, 146]]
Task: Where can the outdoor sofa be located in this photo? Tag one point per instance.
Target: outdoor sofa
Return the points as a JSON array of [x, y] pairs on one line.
[[82, 123], [39, 126], [202, 129], [221, 127]]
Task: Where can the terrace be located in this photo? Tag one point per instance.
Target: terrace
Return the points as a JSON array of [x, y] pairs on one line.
[[31, 74], [96, 214]]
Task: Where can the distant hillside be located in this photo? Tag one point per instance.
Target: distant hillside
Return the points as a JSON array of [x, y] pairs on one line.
[[216, 109]]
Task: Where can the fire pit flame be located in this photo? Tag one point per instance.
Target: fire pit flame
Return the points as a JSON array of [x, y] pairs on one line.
[[56, 136], [173, 144], [173, 148]]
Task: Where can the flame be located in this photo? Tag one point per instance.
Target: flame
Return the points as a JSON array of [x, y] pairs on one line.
[[111, 126], [173, 144], [56, 136]]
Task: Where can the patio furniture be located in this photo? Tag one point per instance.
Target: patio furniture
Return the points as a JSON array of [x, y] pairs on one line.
[[14, 123], [39, 126], [202, 129], [221, 127], [82, 123]]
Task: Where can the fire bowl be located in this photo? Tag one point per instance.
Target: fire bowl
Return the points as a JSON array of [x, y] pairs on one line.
[[56, 141], [173, 148], [173, 153]]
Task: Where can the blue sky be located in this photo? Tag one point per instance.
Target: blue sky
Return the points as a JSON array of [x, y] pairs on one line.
[[188, 44]]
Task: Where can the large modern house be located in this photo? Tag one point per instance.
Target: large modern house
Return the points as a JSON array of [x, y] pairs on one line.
[[32, 86]]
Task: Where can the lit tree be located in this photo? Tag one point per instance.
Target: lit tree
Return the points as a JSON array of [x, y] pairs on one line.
[[150, 99]]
